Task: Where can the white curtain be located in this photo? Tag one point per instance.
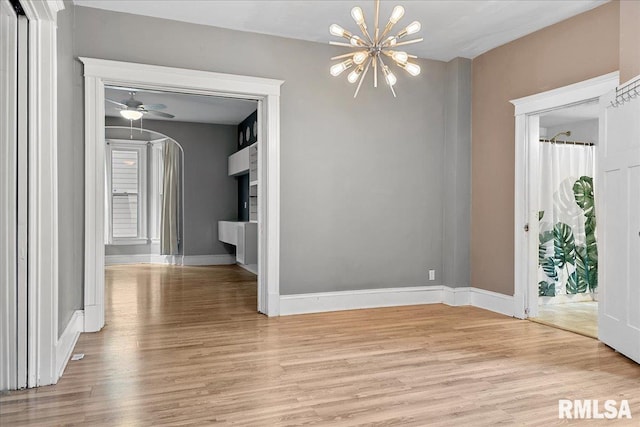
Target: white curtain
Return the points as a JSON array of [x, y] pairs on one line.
[[567, 252], [169, 222]]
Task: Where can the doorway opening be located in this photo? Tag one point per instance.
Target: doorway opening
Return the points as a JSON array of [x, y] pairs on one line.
[[555, 247], [567, 245], [181, 185], [100, 74]]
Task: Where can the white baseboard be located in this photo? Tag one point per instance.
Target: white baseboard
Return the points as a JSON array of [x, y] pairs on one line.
[[142, 259], [170, 259], [225, 259], [488, 300], [68, 340], [252, 268], [352, 300], [390, 297]]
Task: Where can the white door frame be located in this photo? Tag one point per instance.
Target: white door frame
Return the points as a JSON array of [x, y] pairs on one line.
[[100, 72], [527, 111]]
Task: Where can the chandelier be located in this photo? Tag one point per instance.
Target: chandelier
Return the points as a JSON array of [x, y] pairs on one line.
[[369, 50]]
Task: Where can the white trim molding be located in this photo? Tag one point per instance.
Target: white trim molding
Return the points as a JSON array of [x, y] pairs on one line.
[[392, 297], [42, 262], [97, 73], [223, 259], [481, 298], [527, 112], [358, 299], [68, 340]]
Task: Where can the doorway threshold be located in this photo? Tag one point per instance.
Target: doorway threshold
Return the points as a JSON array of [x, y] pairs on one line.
[[579, 317]]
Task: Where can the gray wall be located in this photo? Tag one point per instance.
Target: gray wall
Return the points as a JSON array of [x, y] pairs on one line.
[[210, 194], [457, 174], [362, 179], [70, 174]]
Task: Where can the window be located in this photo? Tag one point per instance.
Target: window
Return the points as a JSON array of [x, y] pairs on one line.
[[125, 193], [134, 192]]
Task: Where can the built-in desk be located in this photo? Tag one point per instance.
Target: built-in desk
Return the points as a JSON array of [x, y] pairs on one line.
[[244, 236]]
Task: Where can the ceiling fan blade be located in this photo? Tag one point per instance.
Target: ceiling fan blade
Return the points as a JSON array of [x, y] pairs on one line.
[[159, 113], [153, 106], [120, 104]]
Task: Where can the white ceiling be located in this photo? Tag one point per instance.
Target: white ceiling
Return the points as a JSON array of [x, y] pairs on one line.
[[186, 108], [576, 113], [451, 28]]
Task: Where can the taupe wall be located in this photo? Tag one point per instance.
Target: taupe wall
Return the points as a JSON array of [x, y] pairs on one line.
[[70, 176], [210, 194], [574, 50], [362, 180], [629, 39], [457, 174]]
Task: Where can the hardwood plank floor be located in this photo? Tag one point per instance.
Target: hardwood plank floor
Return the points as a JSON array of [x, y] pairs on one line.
[[184, 346], [578, 317]]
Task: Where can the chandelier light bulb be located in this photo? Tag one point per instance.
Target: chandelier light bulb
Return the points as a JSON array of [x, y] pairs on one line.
[[354, 75], [390, 41], [400, 57], [412, 28], [338, 31], [337, 69], [357, 15], [356, 41], [413, 69], [389, 76], [397, 14], [360, 57]]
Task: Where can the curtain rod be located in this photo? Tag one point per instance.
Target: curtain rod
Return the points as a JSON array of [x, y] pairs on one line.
[[588, 144]]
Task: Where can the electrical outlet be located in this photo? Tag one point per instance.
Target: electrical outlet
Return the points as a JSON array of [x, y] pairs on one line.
[[432, 275]]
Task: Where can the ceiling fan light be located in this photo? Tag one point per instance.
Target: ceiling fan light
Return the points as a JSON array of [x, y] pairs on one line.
[[131, 114], [357, 15], [397, 14]]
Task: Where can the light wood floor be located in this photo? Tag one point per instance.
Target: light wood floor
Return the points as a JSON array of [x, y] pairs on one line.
[[578, 317], [184, 346]]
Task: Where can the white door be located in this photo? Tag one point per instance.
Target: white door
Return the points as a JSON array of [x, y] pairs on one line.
[[8, 199], [618, 195]]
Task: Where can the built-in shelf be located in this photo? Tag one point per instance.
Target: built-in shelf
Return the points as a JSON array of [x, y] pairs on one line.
[[238, 163], [244, 236]]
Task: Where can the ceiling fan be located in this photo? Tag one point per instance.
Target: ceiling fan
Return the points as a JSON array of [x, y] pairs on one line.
[[132, 109]]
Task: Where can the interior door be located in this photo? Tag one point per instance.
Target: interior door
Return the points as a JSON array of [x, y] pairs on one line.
[[618, 196], [8, 198]]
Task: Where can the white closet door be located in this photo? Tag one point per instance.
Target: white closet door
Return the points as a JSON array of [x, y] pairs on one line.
[[8, 197], [618, 204]]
